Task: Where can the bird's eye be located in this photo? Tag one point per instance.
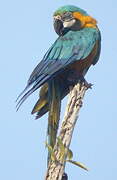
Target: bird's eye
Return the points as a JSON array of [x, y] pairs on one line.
[[67, 16]]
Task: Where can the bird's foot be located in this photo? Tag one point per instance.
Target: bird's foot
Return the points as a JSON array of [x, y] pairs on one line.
[[83, 81]]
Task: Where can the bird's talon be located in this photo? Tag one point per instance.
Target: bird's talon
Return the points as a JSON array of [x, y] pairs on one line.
[[88, 85]]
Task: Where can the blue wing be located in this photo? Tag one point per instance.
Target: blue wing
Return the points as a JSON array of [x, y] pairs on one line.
[[73, 46]]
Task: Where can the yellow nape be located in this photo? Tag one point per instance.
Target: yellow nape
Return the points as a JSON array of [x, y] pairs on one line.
[[87, 21]]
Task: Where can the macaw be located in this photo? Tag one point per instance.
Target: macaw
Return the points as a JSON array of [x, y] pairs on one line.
[[64, 64]]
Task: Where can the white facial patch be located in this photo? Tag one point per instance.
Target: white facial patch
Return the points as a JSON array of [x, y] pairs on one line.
[[69, 23]]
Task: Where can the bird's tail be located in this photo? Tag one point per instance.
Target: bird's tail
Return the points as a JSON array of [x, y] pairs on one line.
[[50, 100], [41, 106], [54, 112]]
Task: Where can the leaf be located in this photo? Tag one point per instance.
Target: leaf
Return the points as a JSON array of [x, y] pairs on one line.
[[49, 147], [53, 157], [69, 154], [61, 145], [81, 165], [62, 149]]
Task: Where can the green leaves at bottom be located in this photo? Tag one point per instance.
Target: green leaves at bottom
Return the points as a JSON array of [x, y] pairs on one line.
[[51, 151], [64, 152], [81, 165], [69, 154]]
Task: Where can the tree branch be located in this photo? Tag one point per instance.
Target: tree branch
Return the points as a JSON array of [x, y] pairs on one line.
[[56, 167]]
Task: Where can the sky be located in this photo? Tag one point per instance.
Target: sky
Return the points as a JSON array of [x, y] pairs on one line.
[[26, 32]]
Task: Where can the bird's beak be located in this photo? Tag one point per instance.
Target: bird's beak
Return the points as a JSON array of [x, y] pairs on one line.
[[59, 28]]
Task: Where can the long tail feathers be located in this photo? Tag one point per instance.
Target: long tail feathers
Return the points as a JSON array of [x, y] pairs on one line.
[[54, 112], [41, 107], [49, 100], [42, 111]]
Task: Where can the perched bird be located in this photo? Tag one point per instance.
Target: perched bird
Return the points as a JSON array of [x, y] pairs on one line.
[[65, 63]]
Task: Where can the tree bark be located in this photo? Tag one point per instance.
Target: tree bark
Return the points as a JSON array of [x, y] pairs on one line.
[[56, 168]]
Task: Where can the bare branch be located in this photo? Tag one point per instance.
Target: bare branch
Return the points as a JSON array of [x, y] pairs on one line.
[[56, 168]]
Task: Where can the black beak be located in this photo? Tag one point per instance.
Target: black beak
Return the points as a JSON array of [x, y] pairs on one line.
[[59, 28]]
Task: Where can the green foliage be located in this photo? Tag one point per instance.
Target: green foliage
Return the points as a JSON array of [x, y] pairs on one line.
[[65, 155], [79, 164], [51, 151]]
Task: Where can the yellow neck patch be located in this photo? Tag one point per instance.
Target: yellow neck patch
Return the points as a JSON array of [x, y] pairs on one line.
[[87, 21]]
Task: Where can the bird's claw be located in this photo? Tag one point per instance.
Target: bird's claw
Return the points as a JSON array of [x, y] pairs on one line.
[[88, 85]]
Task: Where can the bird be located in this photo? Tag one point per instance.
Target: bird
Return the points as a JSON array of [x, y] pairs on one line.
[[65, 63]]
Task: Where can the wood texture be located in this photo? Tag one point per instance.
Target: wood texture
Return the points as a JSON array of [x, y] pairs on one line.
[[56, 168]]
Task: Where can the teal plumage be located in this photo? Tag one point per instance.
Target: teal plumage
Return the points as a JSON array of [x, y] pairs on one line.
[[70, 8], [69, 48], [74, 46]]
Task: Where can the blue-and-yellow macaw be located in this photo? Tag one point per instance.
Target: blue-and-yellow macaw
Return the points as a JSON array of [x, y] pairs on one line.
[[65, 63]]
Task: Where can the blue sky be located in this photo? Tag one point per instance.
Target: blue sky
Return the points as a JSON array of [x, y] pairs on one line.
[[26, 32]]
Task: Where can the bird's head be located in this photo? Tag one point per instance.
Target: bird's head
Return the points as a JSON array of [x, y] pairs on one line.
[[70, 17]]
